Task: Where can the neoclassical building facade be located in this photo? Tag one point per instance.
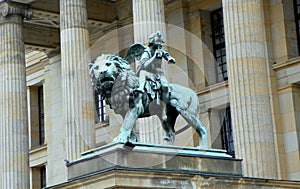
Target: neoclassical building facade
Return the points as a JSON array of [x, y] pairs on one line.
[[241, 57]]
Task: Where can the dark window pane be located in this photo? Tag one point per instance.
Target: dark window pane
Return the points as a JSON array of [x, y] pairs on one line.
[[226, 133], [223, 50], [297, 20], [43, 176], [100, 108], [218, 53], [41, 115], [225, 75], [218, 39]]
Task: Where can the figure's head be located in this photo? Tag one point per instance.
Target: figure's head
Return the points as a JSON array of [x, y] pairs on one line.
[[156, 40]]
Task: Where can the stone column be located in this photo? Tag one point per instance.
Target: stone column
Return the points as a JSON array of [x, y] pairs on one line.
[[53, 119], [14, 153], [78, 107], [148, 17], [247, 60]]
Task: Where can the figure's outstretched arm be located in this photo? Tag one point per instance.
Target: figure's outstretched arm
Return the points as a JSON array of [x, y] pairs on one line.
[[168, 58]]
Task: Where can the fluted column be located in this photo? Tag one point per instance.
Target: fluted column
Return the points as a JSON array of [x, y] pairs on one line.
[[247, 60], [148, 17], [78, 108], [53, 119], [14, 143]]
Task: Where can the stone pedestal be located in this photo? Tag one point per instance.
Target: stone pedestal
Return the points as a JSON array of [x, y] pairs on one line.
[[78, 107], [14, 144], [154, 157], [247, 61], [138, 165]]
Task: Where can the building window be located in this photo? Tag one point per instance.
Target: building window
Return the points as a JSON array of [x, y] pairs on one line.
[[43, 176], [41, 115], [37, 121], [218, 39], [226, 133], [297, 20], [100, 108], [38, 177]]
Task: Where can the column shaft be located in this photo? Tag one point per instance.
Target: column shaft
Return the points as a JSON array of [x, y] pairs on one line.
[[14, 143], [148, 17], [247, 61], [78, 108], [53, 119]]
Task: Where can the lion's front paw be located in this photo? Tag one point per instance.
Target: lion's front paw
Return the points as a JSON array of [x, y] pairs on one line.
[[120, 139], [168, 139], [203, 144]]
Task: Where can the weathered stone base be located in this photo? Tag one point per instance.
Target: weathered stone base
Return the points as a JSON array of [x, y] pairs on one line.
[[159, 166], [157, 157], [128, 178]]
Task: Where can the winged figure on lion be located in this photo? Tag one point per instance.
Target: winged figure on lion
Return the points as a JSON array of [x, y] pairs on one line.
[[134, 95]]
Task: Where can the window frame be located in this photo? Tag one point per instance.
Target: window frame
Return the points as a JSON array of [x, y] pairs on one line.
[[43, 177], [218, 41], [42, 139], [297, 20], [227, 133], [100, 108]]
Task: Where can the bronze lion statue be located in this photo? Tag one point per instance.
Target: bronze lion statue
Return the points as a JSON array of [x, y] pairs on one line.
[[127, 95]]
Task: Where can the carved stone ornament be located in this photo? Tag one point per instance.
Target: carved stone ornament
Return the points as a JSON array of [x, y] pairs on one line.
[[7, 9]]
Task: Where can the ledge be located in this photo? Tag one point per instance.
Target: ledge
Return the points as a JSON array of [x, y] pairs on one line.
[[288, 63], [212, 87], [123, 177], [101, 125], [38, 156], [23, 1]]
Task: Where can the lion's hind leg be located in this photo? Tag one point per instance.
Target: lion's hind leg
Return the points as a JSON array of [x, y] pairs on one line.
[[194, 121], [168, 120]]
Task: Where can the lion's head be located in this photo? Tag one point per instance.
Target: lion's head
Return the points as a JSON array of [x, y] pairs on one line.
[[105, 70]]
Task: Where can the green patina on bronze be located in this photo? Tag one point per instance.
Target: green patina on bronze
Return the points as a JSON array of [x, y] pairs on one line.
[[134, 97]]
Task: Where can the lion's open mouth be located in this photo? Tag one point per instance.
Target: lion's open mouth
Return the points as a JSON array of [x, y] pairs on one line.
[[105, 79]]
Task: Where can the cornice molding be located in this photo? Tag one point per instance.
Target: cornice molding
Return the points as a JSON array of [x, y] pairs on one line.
[[7, 9]]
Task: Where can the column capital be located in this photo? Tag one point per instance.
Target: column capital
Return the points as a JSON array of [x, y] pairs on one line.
[[7, 9]]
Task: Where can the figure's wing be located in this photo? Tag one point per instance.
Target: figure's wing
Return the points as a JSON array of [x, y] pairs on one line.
[[135, 51]]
